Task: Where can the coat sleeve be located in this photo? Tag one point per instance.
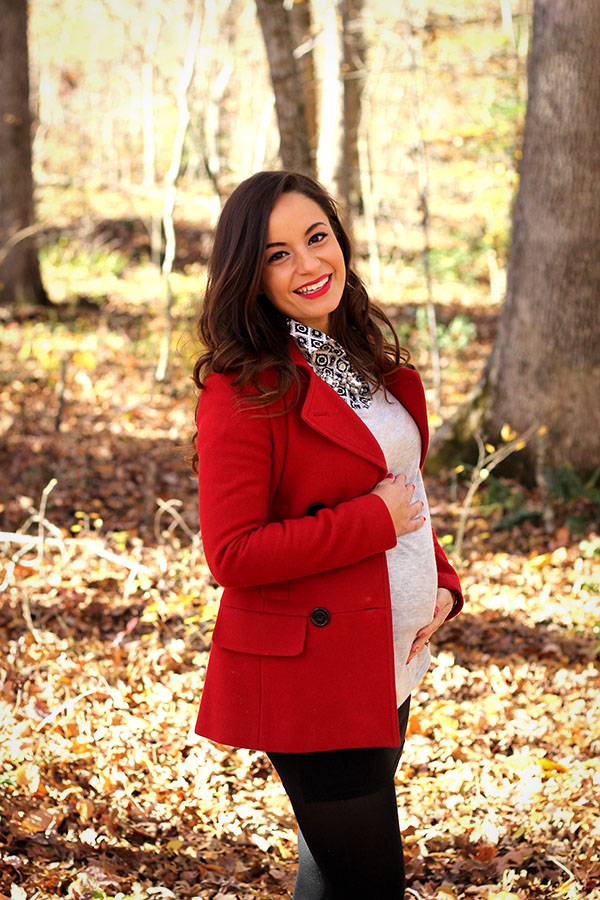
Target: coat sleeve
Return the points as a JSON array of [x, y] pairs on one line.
[[244, 548]]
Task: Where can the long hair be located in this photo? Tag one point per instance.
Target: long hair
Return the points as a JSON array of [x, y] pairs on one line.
[[242, 332]]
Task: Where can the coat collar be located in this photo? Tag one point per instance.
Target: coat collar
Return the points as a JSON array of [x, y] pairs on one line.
[[326, 412]]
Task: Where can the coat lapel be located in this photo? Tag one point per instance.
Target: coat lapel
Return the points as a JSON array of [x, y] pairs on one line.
[[326, 412]]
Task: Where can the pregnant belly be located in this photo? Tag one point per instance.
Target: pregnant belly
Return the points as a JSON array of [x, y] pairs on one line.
[[413, 584]]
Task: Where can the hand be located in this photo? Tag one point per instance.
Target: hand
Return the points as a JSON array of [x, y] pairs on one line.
[[397, 495], [444, 602]]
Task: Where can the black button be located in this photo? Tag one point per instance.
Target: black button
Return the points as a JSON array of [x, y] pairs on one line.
[[319, 616], [314, 508]]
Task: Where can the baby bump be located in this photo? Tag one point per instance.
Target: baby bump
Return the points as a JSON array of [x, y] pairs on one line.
[[413, 581]]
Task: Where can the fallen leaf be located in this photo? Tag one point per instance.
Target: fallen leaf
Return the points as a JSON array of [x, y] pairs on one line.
[[38, 820]]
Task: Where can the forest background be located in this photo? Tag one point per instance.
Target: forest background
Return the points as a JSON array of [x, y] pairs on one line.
[[107, 603]]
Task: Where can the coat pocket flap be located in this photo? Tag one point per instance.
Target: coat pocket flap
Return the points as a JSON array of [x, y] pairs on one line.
[[264, 634]]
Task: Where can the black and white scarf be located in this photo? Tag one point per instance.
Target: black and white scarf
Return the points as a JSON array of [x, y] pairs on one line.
[[330, 362]]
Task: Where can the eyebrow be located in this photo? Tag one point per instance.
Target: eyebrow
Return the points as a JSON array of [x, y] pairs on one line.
[[283, 243]]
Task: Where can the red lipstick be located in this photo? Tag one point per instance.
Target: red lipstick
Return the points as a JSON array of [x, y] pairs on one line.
[[319, 292]]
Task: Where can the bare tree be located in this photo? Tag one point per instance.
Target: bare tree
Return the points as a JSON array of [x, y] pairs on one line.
[[545, 365], [287, 85], [171, 180], [330, 148], [302, 30], [20, 278], [218, 63], [342, 67], [318, 130], [354, 76]]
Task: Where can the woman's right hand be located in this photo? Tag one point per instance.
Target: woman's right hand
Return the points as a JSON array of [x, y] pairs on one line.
[[397, 495]]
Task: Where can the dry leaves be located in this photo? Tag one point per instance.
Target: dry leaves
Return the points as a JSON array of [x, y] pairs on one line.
[[107, 793]]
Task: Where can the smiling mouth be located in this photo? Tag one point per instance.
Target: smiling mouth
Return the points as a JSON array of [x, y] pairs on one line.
[[315, 288]]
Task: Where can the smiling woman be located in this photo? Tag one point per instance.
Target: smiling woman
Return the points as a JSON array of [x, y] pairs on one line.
[[311, 436], [308, 265]]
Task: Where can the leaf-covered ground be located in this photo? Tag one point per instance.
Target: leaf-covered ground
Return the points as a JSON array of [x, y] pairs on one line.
[[106, 792]]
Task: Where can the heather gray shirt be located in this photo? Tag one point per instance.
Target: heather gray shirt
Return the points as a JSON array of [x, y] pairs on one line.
[[411, 563]]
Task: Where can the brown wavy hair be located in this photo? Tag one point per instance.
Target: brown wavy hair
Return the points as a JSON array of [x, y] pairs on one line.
[[243, 333]]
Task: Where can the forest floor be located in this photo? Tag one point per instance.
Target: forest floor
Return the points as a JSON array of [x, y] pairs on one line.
[[105, 792]]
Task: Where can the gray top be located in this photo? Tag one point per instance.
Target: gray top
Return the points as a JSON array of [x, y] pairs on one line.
[[411, 563]]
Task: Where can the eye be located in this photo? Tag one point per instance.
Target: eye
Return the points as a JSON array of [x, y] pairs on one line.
[[317, 237], [275, 257]]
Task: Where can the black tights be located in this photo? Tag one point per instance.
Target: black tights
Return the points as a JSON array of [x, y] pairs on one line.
[[349, 844]]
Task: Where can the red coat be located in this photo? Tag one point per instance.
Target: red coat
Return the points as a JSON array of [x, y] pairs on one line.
[[302, 656]]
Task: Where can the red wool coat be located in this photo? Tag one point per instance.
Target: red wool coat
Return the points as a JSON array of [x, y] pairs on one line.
[[302, 656]]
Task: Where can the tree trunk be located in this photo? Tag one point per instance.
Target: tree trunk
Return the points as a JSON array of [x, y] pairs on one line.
[[330, 149], [287, 85], [148, 100], [20, 279], [303, 41], [545, 365], [354, 74], [546, 362], [342, 52]]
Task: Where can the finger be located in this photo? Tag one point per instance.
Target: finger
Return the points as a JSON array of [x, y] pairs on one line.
[[426, 631], [414, 524], [416, 648], [435, 623], [442, 613]]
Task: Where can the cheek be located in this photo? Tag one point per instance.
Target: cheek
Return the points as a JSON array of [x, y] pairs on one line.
[[272, 289], [339, 262], [275, 282]]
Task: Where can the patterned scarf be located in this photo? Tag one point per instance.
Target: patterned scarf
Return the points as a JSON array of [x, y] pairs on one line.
[[330, 362]]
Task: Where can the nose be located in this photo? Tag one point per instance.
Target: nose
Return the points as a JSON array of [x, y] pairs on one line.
[[306, 261]]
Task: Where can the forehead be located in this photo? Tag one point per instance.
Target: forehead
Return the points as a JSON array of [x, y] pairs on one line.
[[293, 212]]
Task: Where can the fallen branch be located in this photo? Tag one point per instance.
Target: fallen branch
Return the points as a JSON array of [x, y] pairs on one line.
[[92, 545], [41, 517], [167, 506], [52, 529], [560, 865], [68, 705], [21, 235], [14, 537], [486, 462]]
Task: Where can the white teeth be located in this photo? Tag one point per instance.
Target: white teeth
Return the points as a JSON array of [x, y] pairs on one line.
[[313, 287]]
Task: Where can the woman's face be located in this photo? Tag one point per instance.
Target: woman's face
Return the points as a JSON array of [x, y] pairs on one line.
[[303, 272]]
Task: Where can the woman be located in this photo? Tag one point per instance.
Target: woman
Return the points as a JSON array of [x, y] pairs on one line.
[[312, 432]]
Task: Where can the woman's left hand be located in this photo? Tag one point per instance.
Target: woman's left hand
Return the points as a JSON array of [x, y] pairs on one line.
[[443, 604]]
